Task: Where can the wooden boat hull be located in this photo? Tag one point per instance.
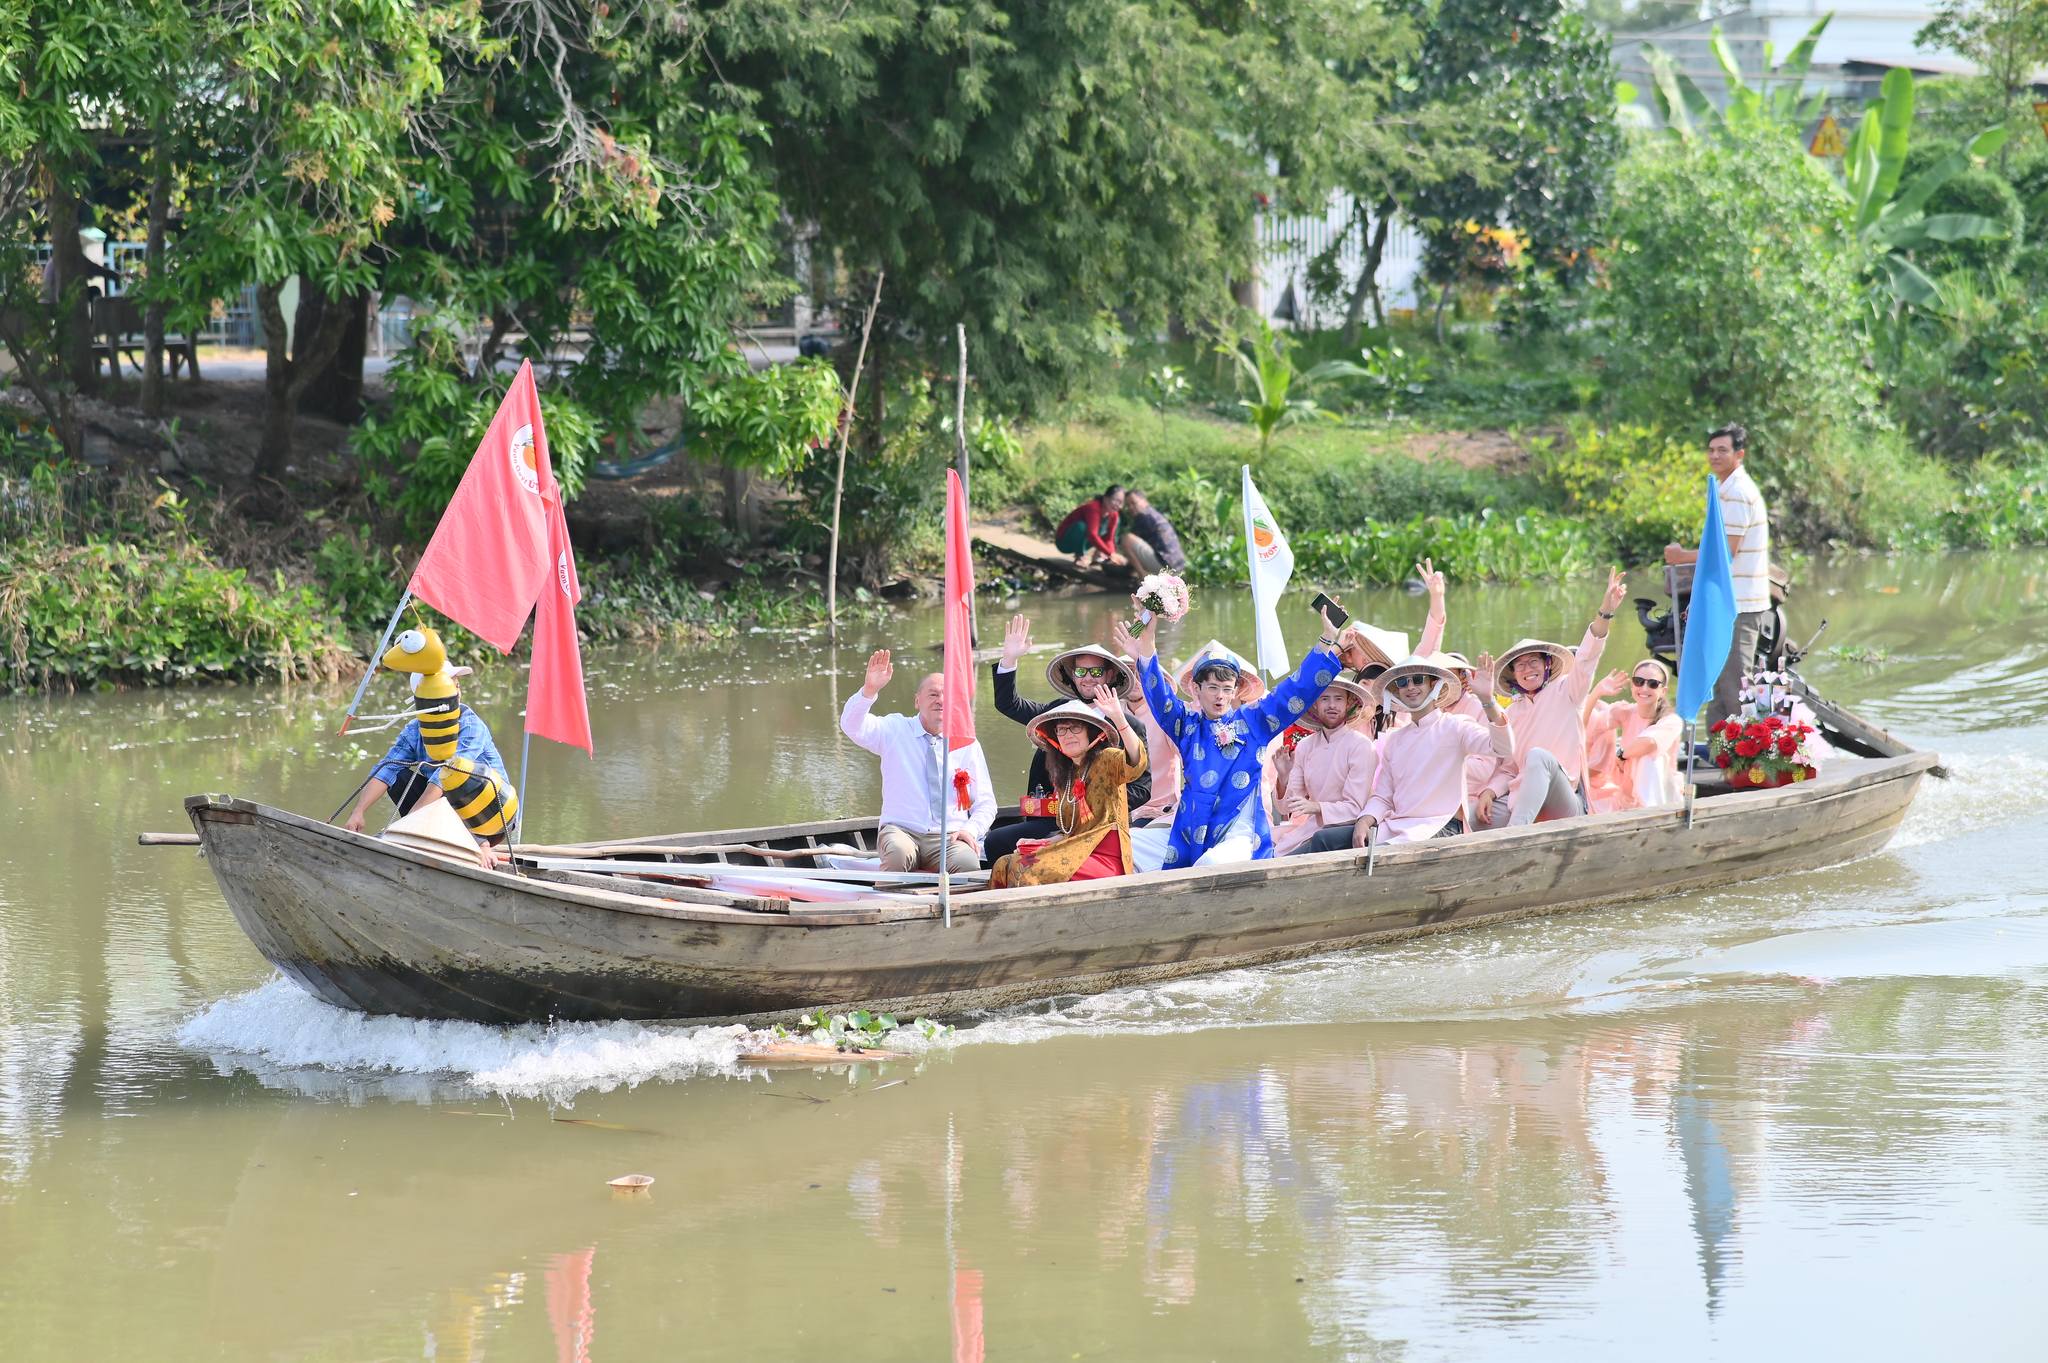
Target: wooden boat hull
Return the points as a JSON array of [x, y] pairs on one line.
[[370, 926]]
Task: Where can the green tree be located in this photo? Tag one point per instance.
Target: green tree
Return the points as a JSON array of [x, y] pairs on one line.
[[1735, 286], [316, 118], [1546, 87], [596, 207], [2007, 39], [1052, 173]]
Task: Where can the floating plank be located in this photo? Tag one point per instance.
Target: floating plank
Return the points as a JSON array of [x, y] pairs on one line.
[[812, 1053], [1041, 554]]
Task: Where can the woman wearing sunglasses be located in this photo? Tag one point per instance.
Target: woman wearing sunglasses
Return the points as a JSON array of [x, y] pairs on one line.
[[1632, 748]]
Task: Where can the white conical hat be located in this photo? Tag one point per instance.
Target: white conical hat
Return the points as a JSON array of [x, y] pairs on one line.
[[1382, 646], [435, 828]]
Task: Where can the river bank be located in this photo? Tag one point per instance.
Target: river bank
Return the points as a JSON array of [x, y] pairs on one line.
[[161, 564]]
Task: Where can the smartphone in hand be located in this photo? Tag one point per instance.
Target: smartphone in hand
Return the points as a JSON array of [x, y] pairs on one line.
[[1338, 615]]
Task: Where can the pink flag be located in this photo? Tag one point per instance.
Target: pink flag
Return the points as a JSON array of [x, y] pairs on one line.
[[489, 555], [958, 670], [555, 707]]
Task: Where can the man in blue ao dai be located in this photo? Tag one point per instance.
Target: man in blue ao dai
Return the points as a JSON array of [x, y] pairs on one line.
[[1221, 818]]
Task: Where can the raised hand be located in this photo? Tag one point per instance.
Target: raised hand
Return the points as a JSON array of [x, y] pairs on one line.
[[1016, 641], [1329, 625], [1105, 701], [879, 672], [1432, 580], [1614, 681], [1483, 680], [1617, 587], [1140, 645]]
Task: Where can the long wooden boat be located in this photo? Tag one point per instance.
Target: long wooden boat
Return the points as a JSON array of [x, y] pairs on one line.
[[368, 925]]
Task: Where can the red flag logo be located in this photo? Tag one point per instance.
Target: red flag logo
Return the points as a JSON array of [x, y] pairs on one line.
[[489, 557]]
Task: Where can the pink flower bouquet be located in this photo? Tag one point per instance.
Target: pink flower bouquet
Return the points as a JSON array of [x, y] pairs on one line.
[[1163, 595]]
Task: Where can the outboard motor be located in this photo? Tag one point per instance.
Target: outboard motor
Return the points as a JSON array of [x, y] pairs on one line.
[[1661, 635]]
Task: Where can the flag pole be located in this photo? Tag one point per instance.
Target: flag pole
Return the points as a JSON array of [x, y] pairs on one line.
[[525, 751], [1251, 559], [945, 852], [390, 626], [1678, 658]]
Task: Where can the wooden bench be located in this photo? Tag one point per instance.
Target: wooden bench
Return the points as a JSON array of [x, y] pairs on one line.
[[117, 330]]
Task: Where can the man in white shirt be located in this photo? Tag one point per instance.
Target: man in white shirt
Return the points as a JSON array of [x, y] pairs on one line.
[[912, 789], [1747, 521]]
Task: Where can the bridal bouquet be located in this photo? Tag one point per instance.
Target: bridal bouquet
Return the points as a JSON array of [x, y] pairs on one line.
[[1163, 595]]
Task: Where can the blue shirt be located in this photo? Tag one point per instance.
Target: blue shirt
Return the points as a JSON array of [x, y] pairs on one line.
[[1217, 778], [472, 740]]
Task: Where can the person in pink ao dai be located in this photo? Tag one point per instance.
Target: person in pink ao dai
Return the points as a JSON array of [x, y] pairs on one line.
[[1632, 749], [1331, 776], [1419, 791]]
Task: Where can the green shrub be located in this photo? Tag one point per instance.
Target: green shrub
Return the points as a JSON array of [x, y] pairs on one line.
[[1981, 192], [1975, 382], [2002, 503], [1472, 548], [1735, 292], [1642, 488], [102, 612]]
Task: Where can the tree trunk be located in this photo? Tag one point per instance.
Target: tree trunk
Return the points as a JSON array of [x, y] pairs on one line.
[[70, 268], [739, 512], [336, 392], [153, 261], [1368, 286], [289, 364]]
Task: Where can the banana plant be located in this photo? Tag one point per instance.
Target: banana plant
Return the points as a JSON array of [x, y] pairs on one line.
[[1273, 378], [1776, 103], [1891, 218]]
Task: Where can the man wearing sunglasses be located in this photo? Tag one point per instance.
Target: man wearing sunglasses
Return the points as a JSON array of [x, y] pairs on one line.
[[1420, 789]]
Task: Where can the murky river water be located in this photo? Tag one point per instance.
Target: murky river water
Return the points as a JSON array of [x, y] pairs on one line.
[[1805, 1118]]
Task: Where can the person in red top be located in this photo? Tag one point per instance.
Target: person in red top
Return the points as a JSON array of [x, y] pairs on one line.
[[1093, 522]]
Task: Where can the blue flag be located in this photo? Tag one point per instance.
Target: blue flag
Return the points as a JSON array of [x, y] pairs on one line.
[[1710, 621]]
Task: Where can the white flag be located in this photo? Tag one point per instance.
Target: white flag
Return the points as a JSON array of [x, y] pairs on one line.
[[1272, 565]]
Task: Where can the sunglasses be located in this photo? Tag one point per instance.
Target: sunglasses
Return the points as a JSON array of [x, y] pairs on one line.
[[1096, 670], [1405, 683], [1650, 683]]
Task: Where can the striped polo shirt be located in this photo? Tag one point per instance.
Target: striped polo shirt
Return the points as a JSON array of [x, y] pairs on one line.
[[1747, 521]]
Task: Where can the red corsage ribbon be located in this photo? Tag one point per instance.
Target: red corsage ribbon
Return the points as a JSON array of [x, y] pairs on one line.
[[960, 783]]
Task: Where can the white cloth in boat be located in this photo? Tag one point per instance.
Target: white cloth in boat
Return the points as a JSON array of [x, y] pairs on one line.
[[910, 768], [1421, 783]]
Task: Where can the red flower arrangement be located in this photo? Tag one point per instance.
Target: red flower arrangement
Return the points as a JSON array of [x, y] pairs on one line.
[[960, 782], [1763, 750]]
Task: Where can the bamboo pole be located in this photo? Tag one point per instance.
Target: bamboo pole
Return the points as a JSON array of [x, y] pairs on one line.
[[375, 653], [839, 483]]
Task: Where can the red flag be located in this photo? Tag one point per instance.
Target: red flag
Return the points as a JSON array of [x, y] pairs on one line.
[[489, 555], [571, 1313], [555, 707], [958, 670]]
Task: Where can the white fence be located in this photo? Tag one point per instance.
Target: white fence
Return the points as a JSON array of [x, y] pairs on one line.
[[1287, 245]]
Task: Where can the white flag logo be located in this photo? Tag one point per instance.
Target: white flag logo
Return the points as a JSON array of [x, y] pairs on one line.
[[1272, 567]]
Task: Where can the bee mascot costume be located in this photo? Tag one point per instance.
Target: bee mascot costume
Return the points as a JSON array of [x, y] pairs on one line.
[[446, 744]]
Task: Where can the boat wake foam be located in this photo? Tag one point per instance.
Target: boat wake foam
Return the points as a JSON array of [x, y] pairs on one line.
[[279, 1032]]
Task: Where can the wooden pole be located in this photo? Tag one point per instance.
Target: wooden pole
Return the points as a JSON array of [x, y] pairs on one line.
[[375, 653], [960, 458], [839, 484]]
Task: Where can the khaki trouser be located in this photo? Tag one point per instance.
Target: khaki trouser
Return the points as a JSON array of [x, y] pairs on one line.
[[903, 850], [1749, 627], [1144, 560]]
